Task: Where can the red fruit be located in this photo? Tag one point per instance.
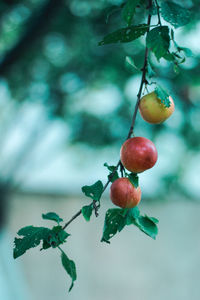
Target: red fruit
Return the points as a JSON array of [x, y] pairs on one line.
[[124, 194], [138, 154]]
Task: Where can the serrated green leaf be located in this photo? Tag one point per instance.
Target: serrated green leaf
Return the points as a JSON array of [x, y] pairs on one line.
[[125, 35], [158, 41], [93, 191], [114, 222], [87, 212], [147, 225], [52, 216], [32, 237], [112, 176], [128, 11], [162, 95], [69, 267], [175, 14], [134, 179]]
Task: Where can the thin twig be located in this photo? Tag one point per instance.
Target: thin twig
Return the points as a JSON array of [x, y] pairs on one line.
[[72, 219], [121, 169], [104, 188], [95, 207], [158, 12], [143, 81]]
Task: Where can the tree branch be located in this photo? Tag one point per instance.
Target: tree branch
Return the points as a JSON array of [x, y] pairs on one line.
[[143, 81]]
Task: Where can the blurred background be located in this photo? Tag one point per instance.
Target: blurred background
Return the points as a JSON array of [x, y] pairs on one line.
[[65, 110]]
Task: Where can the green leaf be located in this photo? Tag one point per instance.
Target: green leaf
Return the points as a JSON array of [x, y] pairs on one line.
[[93, 191], [154, 220], [132, 214], [150, 71], [158, 41], [125, 35], [182, 60], [31, 238], [162, 95], [134, 179], [175, 14], [116, 219], [187, 51], [129, 11], [45, 245], [114, 222], [57, 236], [52, 216], [129, 62], [169, 56], [110, 168], [147, 225], [112, 176], [70, 267], [87, 212]]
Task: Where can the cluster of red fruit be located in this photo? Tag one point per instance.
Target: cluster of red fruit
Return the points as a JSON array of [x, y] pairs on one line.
[[138, 153]]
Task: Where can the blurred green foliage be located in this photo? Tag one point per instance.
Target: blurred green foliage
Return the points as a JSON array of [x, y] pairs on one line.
[[50, 55]]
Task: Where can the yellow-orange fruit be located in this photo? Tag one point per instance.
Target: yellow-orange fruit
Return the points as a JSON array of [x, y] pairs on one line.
[[153, 111]]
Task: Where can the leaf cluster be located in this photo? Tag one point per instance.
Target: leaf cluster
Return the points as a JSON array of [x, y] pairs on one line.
[[94, 192], [31, 237], [117, 218], [157, 39]]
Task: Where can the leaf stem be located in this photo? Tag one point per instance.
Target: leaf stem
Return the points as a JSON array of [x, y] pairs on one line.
[[131, 130]]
